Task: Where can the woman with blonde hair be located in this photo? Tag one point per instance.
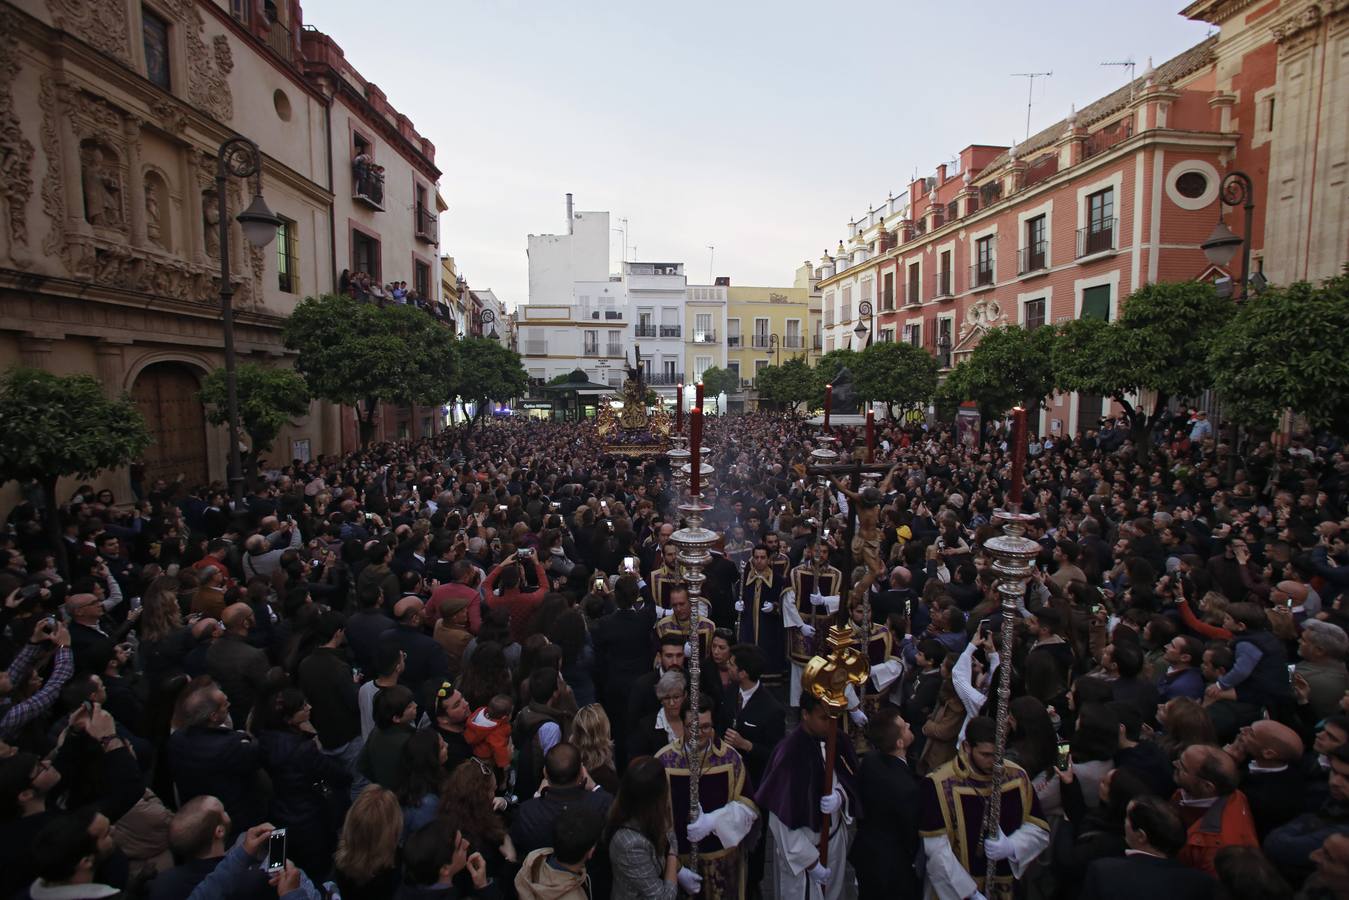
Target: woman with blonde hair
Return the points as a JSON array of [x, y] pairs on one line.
[[365, 866], [591, 734]]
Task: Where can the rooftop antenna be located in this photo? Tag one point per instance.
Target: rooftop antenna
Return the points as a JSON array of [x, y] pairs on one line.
[[711, 260], [1030, 93], [1126, 64]]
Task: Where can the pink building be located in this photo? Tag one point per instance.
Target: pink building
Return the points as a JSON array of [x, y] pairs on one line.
[[1117, 195]]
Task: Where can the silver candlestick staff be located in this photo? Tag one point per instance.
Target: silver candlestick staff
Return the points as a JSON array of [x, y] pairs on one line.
[[1014, 562], [695, 543]]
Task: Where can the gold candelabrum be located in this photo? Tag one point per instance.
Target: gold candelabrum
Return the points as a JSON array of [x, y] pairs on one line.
[[694, 543], [1014, 563]]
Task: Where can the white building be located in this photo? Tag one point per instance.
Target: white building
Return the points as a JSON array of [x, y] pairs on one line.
[[656, 295], [705, 330]]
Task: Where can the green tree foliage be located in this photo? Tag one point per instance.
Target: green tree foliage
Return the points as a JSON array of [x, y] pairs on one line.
[[718, 381], [360, 354], [789, 385], [1159, 344], [1284, 349], [895, 374], [488, 372], [833, 362], [269, 399], [53, 426], [1010, 366]]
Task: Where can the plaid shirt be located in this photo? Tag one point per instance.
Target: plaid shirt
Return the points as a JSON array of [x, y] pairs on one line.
[[14, 716]]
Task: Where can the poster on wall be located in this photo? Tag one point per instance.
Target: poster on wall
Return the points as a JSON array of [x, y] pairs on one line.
[[299, 450], [967, 426]]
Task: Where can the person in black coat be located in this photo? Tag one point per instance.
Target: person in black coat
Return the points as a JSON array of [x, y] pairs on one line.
[[198, 836], [1153, 830], [426, 659], [206, 756], [758, 726], [363, 630], [328, 682], [307, 785], [886, 845], [1086, 836]]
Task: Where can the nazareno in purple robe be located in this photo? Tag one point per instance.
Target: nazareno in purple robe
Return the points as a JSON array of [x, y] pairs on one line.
[[794, 780]]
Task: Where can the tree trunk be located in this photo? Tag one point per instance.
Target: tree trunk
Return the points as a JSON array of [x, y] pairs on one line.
[[51, 518], [366, 422]]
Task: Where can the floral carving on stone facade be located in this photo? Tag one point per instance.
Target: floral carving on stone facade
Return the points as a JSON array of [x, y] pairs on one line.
[[16, 151], [169, 115], [54, 245], [101, 23], [207, 86]]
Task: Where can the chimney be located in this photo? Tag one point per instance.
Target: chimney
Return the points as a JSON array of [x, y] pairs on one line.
[[570, 217]]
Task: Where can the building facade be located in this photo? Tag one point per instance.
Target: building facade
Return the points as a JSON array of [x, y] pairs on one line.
[[765, 326], [1115, 196], [110, 257], [704, 331]]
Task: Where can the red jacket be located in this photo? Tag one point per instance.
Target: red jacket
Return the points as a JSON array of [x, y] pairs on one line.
[[1227, 823]]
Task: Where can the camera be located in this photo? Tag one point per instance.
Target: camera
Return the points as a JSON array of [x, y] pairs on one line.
[[525, 553]]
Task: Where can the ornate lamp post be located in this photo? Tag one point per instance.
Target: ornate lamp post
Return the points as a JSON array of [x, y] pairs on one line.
[[487, 317], [1222, 244], [864, 311], [240, 157], [773, 342]]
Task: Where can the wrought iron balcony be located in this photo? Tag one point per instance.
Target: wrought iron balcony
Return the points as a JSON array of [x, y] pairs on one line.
[[671, 331], [645, 331], [664, 379], [733, 340], [1032, 258], [943, 285], [1098, 237], [704, 337], [426, 225], [982, 274]]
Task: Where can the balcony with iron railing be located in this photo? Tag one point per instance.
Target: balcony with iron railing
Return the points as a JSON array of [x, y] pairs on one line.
[[613, 349], [426, 225], [704, 337], [590, 350], [1032, 258], [671, 331], [817, 343], [913, 294], [887, 299], [943, 285], [793, 342], [281, 41], [1098, 237], [645, 331], [760, 341], [733, 341], [664, 379], [983, 274], [609, 315]]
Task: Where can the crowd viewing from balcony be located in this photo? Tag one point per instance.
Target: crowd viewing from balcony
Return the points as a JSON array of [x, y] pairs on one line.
[[460, 666]]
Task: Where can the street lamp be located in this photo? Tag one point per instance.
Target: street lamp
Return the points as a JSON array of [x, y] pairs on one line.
[[1222, 244], [864, 311], [773, 342], [240, 157], [487, 317]]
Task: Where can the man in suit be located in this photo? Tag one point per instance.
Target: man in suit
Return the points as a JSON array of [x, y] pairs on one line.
[[426, 659], [1154, 834], [760, 723], [886, 845]]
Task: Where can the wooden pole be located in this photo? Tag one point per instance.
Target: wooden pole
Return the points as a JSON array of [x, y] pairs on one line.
[[830, 755]]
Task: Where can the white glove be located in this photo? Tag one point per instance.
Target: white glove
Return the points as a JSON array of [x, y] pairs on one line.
[[688, 649], [807, 630], [831, 803], [700, 827], [1000, 847], [690, 882], [662, 612], [858, 717], [767, 607], [740, 606], [816, 599], [819, 874]]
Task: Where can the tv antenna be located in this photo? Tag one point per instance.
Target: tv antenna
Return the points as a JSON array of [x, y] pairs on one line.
[[1126, 64], [1030, 93], [711, 261]]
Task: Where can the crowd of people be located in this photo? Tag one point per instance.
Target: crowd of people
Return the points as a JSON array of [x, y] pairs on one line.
[[460, 667], [362, 286]]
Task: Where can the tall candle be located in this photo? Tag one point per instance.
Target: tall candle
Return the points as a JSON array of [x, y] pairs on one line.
[[828, 403], [871, 435], [696, 449], [679, 407], [698, 394], [1018, 458]]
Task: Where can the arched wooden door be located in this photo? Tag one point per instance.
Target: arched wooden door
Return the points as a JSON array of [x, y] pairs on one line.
[[167, 396]]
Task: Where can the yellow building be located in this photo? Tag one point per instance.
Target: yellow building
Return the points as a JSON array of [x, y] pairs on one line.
[[767, 326]]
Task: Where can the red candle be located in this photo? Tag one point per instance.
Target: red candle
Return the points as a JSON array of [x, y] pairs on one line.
[[828, 402], [698, 394], [1018, 458], [871, 435], [679, 406], [696, 448]]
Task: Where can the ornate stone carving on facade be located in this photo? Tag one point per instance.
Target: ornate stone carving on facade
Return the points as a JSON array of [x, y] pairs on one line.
[[121, 267], [16, 151], [210, 224], [54, 245], [153, 227], [1299, 30], [208, 87], [101, 180], [982, 314], [101, 23], [170, 116]]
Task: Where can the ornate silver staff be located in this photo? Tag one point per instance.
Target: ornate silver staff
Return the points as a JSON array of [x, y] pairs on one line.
[[1013, 560], [694, 543]]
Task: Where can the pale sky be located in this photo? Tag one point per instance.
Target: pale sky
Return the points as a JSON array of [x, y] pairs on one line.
[[758, 127]]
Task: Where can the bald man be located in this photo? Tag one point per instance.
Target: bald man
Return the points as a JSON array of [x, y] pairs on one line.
[[241, 670], [1215, 811], [1273, 783], [199, 834], [425, 658]]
